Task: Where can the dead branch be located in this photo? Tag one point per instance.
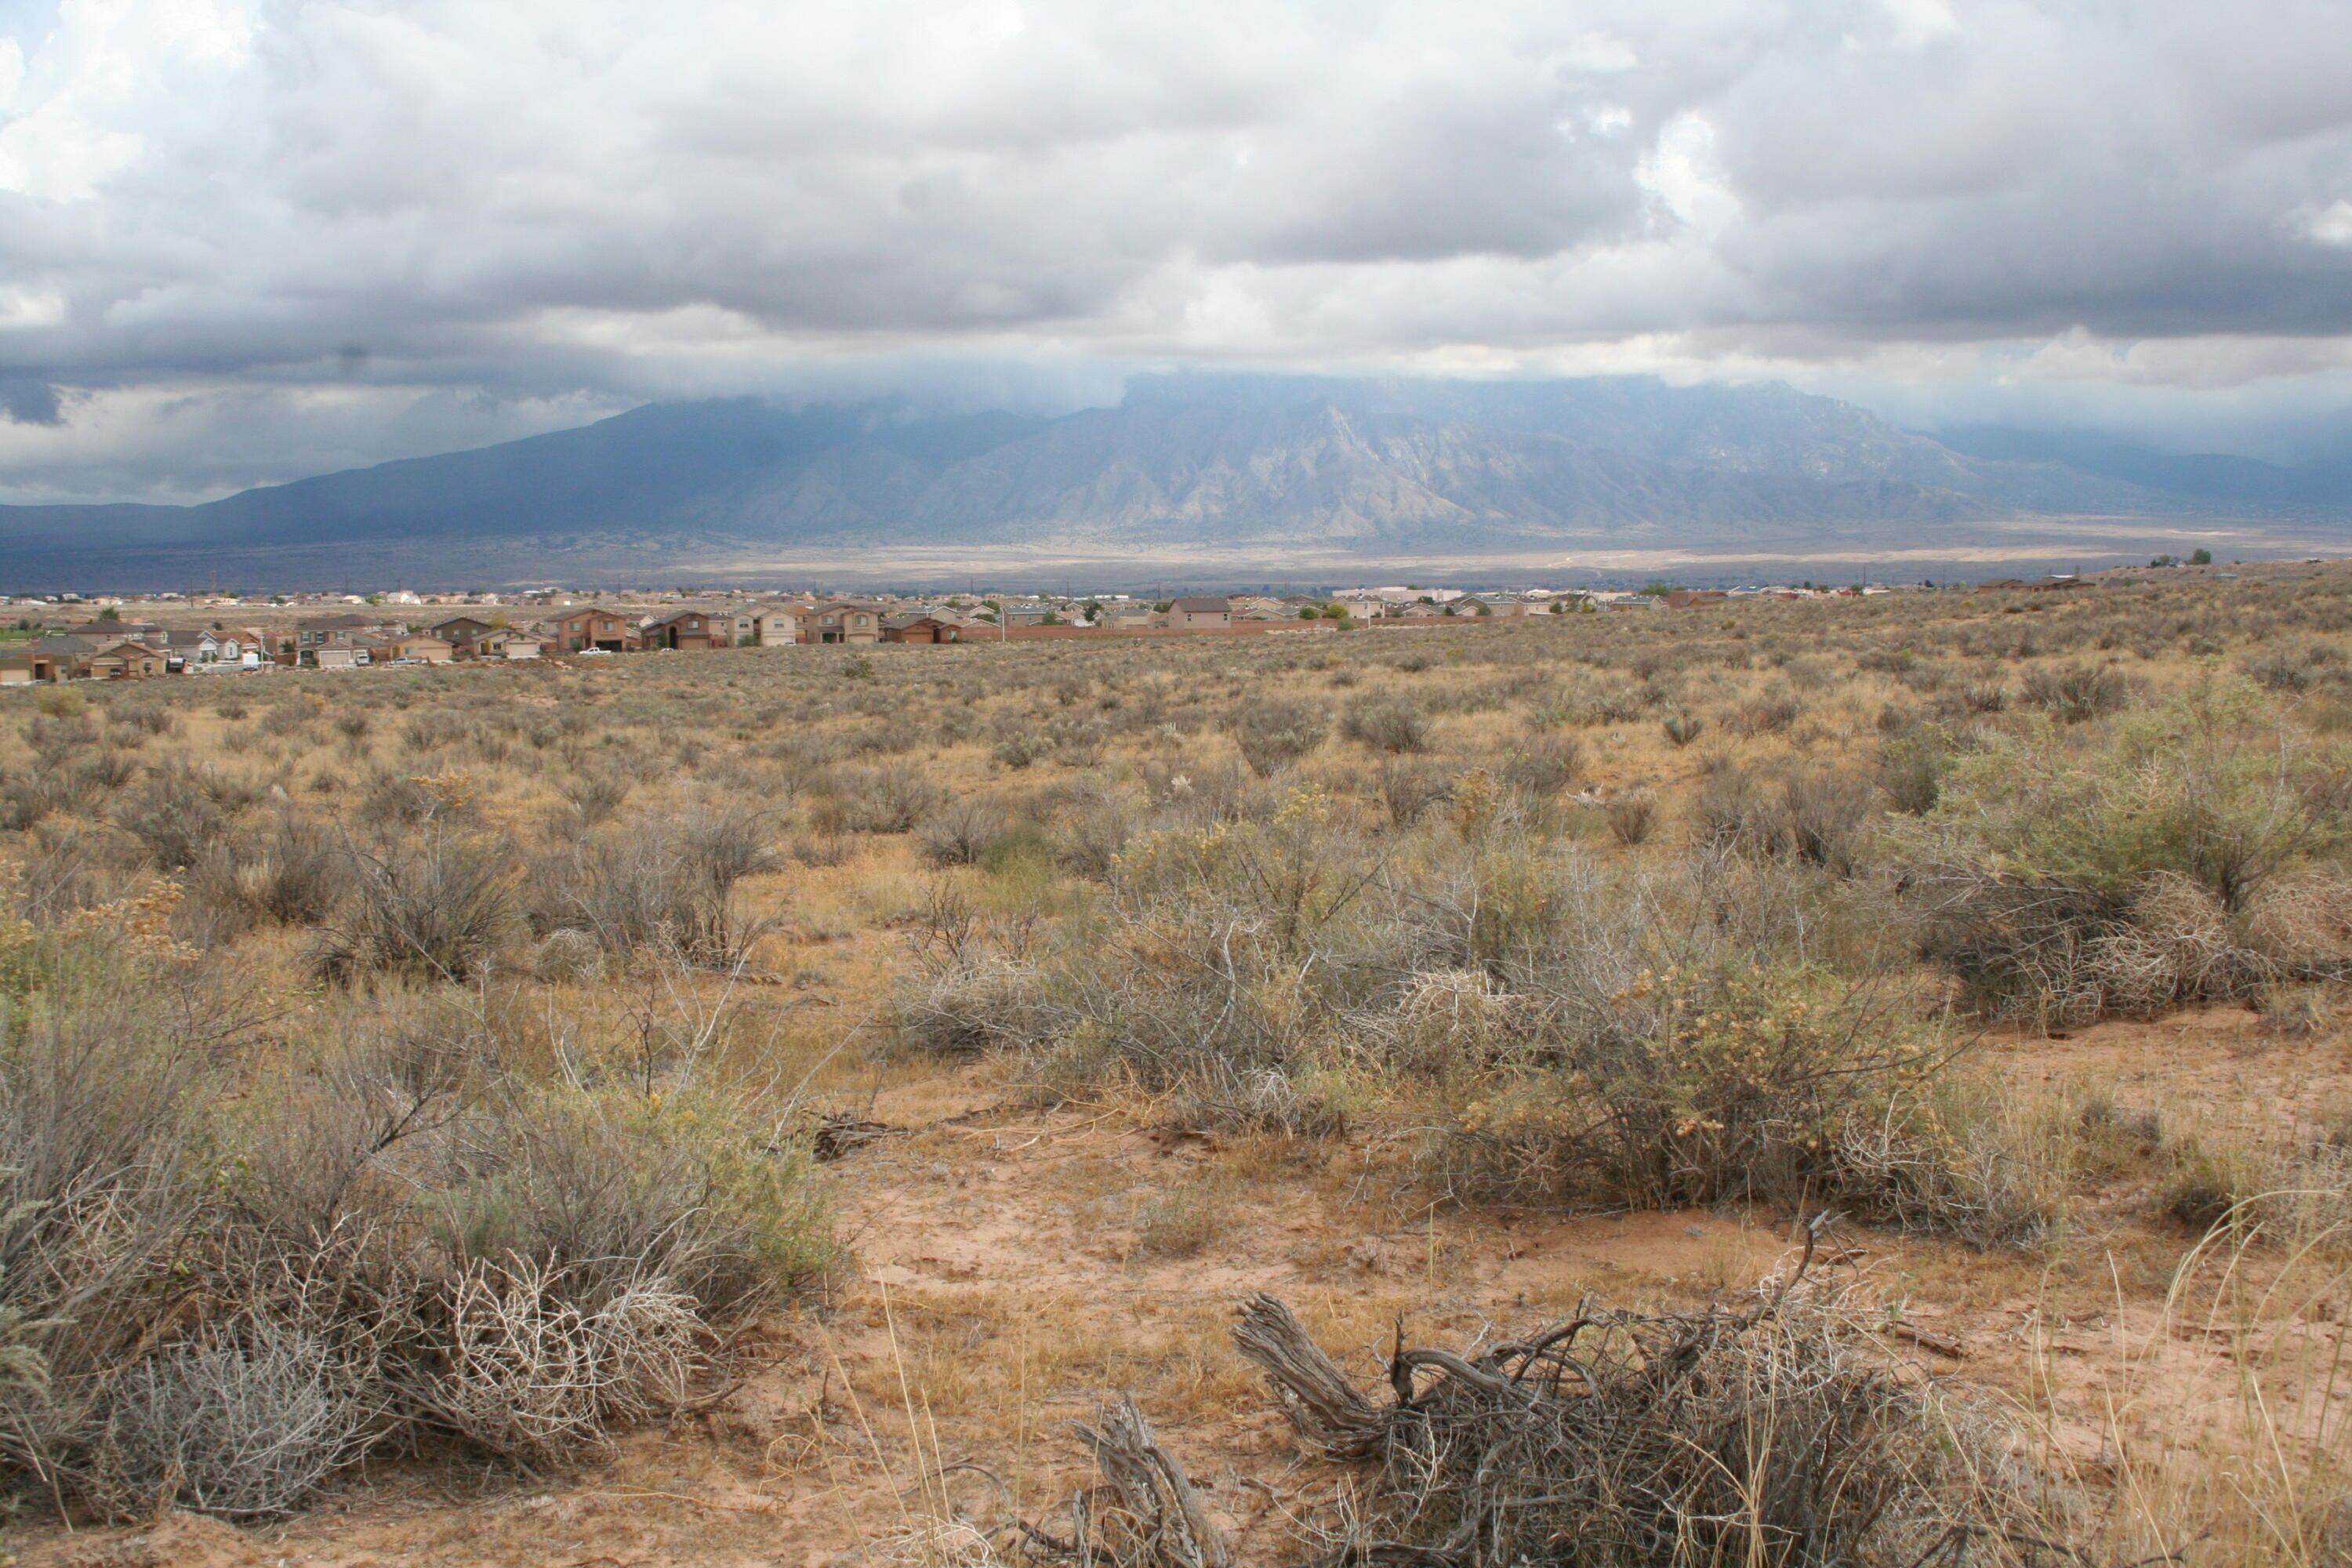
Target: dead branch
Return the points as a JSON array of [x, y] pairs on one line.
[[1324, 1407], [1159, 1521]]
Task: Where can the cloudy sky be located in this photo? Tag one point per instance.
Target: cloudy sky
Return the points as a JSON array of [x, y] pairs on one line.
[[241, 240]]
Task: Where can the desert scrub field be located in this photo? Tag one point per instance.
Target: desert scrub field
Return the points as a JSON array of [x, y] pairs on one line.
[[464, 1069]]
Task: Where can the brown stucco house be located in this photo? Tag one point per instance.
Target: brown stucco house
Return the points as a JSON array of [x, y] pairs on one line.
[[125, 660], [843, 621], [423, 646], [464, 635], [691, 630], [920, 628], [591, 628], [1200, 615]]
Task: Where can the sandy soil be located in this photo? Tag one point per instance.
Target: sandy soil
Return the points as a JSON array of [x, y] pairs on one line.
[[1006, 1279]]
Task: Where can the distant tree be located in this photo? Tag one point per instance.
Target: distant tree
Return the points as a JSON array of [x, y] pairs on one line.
[[1333, 612], [109, 614], [2201, 558], [375, 598], [1660, 589], [1308, 613], [2164, 560], [1485, 608], [1050, 619]]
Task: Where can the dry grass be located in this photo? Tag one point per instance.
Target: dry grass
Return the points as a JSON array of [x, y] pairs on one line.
[[1522, 918]]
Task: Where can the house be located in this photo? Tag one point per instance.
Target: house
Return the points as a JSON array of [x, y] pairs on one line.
[[115, 631], [587, 628], [780, 626], [690, 630], [423, 646], [843, 621], [60, 658], [124, 659], [920, 628], [334, 631], [1256, 608], [463, 634], [1693, 598], [508, 644], [185, 651], [1200, 615]]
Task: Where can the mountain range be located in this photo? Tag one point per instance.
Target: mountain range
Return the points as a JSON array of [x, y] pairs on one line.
[[1251, 467]]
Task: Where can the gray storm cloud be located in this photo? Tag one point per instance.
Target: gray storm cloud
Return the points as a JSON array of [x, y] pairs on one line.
[[530, 211]]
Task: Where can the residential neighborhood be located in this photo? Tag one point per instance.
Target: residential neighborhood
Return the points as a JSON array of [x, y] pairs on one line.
[[177, 635]]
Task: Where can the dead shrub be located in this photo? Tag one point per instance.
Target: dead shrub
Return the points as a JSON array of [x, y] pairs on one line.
[[1544, 766], [1633, 815], [959, 832], [245, 1425], [433, 730], [1770, 714], [1409, 789], [1774, 1432], [1912, 763], [434, 908], [592, 798], [1391, 724], [666, 884], [1614, 701], [1273, 733], [534, 1372], [292, 873], [1817, 815], [1091, 828], [175, 816], [875, 800], [2300, 670], [1984, 696], [2077, 693]]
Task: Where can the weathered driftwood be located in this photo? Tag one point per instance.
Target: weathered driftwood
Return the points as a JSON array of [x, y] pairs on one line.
[[1325, 1409], [1154, 1519]]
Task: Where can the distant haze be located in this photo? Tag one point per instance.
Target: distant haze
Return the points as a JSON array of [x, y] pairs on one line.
[[1202, 478]]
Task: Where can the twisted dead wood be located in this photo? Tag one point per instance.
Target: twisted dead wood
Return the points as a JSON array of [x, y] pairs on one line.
[[1324, 1407], [1160, 1521]]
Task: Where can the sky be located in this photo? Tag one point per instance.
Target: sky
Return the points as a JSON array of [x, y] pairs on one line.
[[245, 240]]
